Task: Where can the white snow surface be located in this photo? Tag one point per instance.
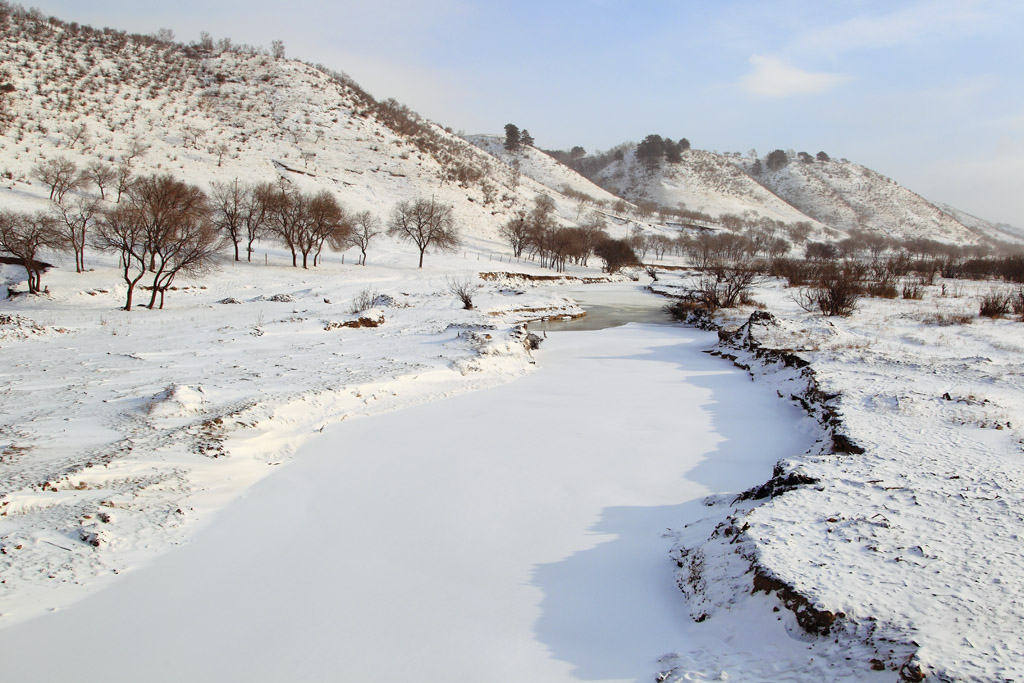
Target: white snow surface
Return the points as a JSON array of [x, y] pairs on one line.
[[122, 432], [516, 533], [916, 541]]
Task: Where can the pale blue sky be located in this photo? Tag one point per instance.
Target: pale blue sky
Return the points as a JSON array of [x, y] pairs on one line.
[[929, 92]]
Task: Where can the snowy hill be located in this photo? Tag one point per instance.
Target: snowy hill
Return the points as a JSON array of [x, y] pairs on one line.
[[101, 97], [702, 181], [847, 196], [542, 168], [1000, 231], [834, 197]]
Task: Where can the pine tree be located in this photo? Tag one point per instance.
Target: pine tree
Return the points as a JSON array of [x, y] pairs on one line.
[[512, 137], [525, 139]]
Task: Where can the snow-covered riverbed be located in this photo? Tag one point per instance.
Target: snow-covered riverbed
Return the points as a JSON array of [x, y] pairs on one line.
[[509, 534]]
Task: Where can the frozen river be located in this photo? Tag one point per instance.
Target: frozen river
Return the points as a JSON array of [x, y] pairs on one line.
[[512, 534]]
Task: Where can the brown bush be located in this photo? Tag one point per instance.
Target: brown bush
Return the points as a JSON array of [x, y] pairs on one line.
[[995, 304]]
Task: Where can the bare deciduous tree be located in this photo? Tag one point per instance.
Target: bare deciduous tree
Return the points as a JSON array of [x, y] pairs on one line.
[[328, 223], [102, 175], [365, 226], [78, 134], [26, 236], [305, 223], [122, 229], [516, 232], [59, 174], [426, 224], [228, 201], [165, 229], [77, 217]]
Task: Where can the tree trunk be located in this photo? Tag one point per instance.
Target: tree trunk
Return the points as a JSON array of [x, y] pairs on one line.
[[421, 256]]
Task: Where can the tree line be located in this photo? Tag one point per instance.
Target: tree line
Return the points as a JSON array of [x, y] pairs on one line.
[[161, 227]]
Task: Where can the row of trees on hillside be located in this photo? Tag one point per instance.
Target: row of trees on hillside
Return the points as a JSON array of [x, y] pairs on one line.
[[165, 227]]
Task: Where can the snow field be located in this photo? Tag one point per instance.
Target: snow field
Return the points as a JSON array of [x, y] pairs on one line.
[[916, 540], [511, 534], [123, 433]]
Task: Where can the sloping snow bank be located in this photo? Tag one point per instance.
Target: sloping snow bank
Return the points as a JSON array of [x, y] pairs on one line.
[[898, 540]]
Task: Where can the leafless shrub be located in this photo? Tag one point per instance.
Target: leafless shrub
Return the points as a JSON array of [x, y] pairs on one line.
[[463, 290], [1017, 302], [914, 289], [797, 273], [724, 283], [995, 304], [883, 288], [363, 300], [837, 291], [948, 319]]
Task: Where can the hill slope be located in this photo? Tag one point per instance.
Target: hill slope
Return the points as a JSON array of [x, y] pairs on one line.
[[848, 196], [101, 97]]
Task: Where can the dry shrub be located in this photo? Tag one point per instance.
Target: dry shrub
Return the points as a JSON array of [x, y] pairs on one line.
[[913, 289], [995, 304], [884, 288], [838, 289], [1017, 303], [948, 319], [364, 299]]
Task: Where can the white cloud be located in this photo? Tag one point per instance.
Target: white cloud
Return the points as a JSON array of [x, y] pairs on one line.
[[773, 77]]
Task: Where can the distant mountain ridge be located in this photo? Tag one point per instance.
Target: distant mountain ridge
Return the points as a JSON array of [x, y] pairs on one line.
[[835, 197]]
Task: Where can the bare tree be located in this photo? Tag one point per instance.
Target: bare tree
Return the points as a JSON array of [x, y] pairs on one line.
[[101, 174], [328, 222], [59, 174], [122, 229], [77, 216], [277, 49], [78, 134], [164, 229], [228, 201], [304, 223], [516, 232], [26, 236], [122, 178], [426, 224], [365, 226], [190, 135], [220, 149], [136, 150], [286, 218], [255, 215]]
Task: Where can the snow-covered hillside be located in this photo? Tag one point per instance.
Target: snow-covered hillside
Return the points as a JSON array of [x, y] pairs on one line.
[[547, 171], [702, 181], [847, 196], [95, 97]]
